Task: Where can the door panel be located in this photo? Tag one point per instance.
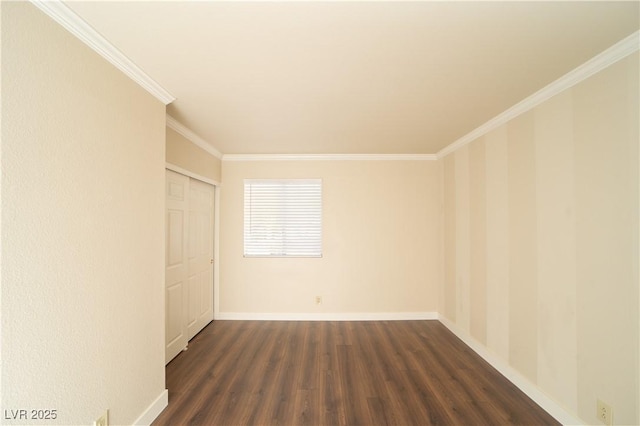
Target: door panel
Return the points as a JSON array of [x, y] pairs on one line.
[[189, 258], [176, 269], [174, 309], [201, 210], [194, 301], [175, 243], [206, 305]]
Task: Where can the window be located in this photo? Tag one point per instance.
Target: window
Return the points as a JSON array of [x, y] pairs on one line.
[[283, 218]]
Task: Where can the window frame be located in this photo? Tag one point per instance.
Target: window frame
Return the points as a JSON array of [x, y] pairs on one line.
[[285, 247]]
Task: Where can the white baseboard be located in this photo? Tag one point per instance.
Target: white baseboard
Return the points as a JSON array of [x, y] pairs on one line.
[[530, 389], [328, 316], [153, 410]]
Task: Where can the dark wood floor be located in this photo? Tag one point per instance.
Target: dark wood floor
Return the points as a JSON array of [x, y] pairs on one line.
[[338, 373]]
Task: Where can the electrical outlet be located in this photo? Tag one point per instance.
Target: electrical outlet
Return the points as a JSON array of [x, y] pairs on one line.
[[605, 413], [103, 420], [318, 300]]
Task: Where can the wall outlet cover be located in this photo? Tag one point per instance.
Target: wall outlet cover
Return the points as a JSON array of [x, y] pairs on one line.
[[604, 413], [103, 420]]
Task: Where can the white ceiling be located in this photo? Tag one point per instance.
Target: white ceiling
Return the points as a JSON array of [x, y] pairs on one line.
[[352, 77]]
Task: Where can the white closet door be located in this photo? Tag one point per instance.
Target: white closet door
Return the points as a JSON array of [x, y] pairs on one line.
[[176, 264], [201, 214]]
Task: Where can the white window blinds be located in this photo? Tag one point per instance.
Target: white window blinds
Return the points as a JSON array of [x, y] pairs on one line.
[[283, 217]]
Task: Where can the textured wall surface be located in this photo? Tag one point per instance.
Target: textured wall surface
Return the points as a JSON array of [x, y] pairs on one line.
[[380, 241], [541, 243], [82, 229]]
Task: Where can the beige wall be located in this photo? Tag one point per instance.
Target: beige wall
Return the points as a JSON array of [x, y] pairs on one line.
[[539, 261], [82, 229], [380, 241], [541, 244], [183, 153]]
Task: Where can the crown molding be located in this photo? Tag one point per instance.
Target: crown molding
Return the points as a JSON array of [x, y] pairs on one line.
[[329, 157], [195, 139], [73, 23], [618, 51], [68, 19]]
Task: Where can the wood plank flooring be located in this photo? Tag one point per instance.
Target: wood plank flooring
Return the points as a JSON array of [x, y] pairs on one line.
[[339, 373]]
